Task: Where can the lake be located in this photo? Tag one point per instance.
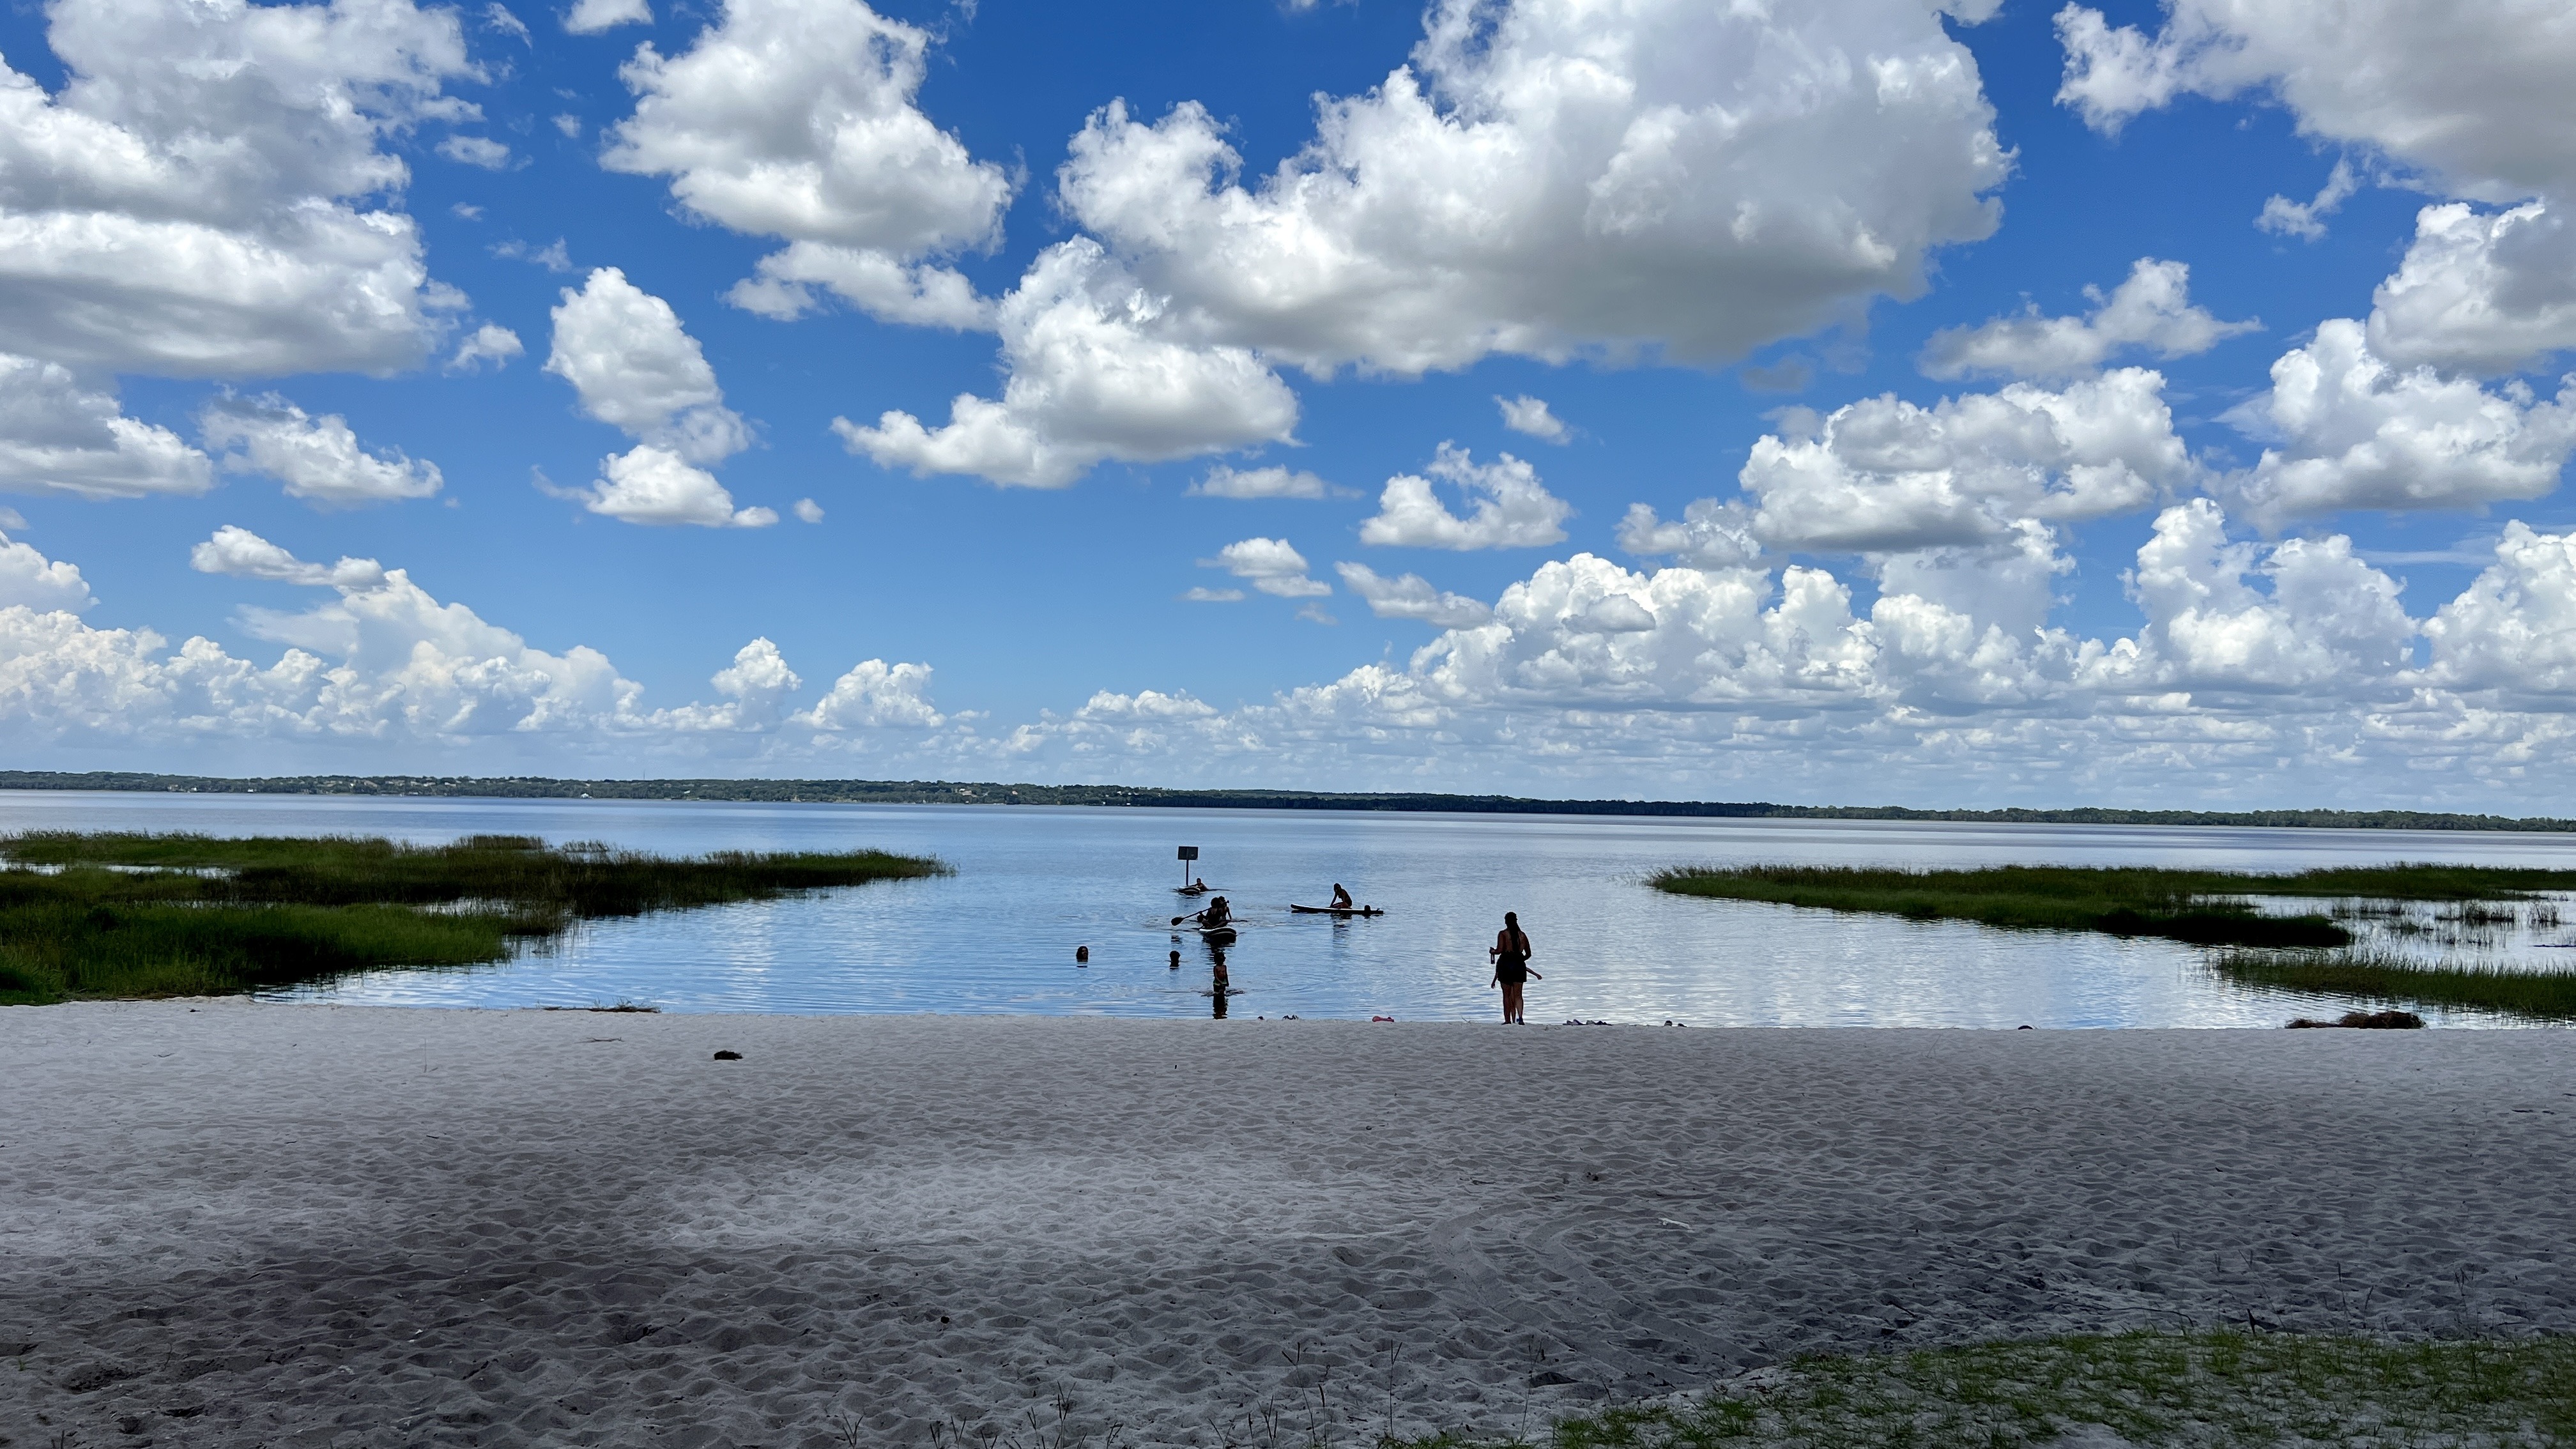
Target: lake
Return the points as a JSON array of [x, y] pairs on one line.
[[1032, 884]]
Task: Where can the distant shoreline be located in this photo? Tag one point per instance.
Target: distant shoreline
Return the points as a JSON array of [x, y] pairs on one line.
[[946, 792]]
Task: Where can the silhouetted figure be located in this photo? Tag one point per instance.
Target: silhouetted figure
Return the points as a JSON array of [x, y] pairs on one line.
[[1511, 955]]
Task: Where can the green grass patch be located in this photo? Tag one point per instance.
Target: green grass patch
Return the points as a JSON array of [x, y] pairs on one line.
[[2195, 906], [2549, 995], [2173, 904], [126, 915], [2147, 1388]]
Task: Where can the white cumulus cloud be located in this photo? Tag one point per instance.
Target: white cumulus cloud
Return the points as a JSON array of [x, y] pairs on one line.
[[492, 343], [1543, 178], [59, 436], [318, 459], [1089, 380], [2150, 311], [637, 369], [240, 553], [655, 486], [1512, 508], [796, 119], [198, 199], [1552, 177], [382, 666], [2349, 430], [480, 151], [2284, 217], [1885, 475], [1527, 414], [1709, 534], [2480, 292], [1411, 596], [590, 17], [2472, 95], [877, 695], [2327, 620], [1270, 565], [32, 581], [755, 687]]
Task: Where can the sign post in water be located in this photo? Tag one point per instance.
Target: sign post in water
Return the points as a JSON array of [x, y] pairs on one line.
[[1188, 853]]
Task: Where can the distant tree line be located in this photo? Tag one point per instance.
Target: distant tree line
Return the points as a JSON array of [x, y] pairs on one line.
[[947, 792]]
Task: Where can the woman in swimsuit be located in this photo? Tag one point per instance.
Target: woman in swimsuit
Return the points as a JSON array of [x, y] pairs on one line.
[[1511, 955]]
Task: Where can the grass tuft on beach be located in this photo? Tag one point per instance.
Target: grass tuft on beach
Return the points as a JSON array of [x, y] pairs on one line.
[[91, 916], [2143, 1388]]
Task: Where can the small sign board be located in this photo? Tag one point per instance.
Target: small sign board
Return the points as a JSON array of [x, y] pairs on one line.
[[1189, 852]]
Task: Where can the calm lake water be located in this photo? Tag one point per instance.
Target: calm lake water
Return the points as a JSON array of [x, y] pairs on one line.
[[1032, 884]]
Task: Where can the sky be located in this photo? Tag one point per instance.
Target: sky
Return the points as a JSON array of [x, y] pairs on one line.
[[1825, 401]]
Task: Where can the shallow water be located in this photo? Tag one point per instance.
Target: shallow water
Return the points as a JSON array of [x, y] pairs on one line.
[[1032, 884]]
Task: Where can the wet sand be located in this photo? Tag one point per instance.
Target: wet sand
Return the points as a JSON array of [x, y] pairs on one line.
[[225, 1223]]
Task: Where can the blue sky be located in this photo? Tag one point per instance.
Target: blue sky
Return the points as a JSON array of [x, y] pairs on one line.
[[1729, 252]]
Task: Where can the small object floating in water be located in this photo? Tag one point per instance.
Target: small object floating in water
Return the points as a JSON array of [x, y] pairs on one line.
[[1082, 955], [2025, 1026], [728, 1055], [1381, 1018], [1338, 910]]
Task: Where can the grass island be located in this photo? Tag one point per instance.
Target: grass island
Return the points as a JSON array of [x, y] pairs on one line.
[[110, 915], [2310, 952]]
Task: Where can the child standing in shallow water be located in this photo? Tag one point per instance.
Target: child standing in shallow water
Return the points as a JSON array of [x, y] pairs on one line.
[[1510, 955]]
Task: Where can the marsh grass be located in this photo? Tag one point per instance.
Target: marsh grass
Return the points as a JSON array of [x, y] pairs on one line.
[[2375, 977], [125, 915], [2147, 1388], [2201, 907], [2193, 906]]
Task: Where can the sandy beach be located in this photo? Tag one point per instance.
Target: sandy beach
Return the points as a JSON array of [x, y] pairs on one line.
[[226, 1223]]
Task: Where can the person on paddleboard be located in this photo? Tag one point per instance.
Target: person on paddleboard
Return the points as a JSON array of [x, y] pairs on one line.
[[1510, 955], [1341, 897], [1218, 913]]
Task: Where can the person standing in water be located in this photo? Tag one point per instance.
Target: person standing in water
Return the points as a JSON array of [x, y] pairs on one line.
[[1510, 955]]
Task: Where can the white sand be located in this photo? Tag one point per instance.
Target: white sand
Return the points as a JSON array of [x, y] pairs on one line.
[[302, 1225]]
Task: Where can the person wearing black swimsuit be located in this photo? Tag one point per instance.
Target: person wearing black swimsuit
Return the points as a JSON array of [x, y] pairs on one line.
[[1511, 954]]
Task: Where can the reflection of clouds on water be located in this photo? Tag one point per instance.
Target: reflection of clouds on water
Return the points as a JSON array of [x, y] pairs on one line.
[[1031, 883], [2536, 934]]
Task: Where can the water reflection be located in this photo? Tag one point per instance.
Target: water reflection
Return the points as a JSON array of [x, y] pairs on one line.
[[2524, 935], [1034, 883]]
